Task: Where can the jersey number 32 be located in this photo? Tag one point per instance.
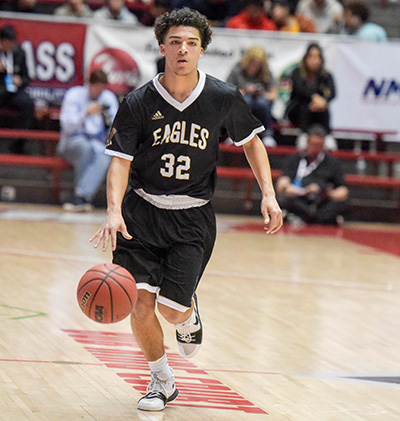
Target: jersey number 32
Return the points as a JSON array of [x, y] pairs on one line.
[[177, 167]]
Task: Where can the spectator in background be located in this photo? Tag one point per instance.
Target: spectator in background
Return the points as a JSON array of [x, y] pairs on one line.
[[312, 186], [313, 88], [117, 11], [254, 80], [75, 8], [286, 21], [156, 8], [356, 16], [13, 80], [216, 11], [327, 15], [253, 16], [22, 6], [85, 118]]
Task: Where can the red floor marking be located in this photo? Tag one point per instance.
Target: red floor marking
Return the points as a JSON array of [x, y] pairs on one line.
[[380, 240], [199, 390]]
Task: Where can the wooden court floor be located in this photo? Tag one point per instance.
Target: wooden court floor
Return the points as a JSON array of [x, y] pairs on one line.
[[302, 325]]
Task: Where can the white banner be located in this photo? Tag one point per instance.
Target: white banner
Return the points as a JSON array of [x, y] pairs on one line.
[[127, 55], [367, 75], [368, 88]]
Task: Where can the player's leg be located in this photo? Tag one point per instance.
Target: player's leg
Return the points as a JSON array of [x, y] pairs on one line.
[[184, 266], [143, 261], [176, 300], [149, 335], [146, 327]]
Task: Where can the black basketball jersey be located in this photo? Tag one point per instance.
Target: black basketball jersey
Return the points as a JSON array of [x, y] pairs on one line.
[[174, 146]]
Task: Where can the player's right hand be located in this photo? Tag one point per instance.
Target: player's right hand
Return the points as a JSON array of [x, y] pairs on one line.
[[108, 231]]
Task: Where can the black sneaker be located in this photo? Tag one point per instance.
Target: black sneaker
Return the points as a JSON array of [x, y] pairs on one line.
[[160, 391], [77, 204], [190, 335]]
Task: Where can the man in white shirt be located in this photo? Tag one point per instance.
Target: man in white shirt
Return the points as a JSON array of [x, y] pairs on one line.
[[326, 14], [85, 118], [117, 11]]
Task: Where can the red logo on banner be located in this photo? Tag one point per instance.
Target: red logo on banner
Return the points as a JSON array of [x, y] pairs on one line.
[[122, 70]]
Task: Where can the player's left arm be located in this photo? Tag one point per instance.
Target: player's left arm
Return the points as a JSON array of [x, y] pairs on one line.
[[258, 159]]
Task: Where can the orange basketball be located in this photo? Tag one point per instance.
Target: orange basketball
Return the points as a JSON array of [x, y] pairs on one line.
[[107, 293]]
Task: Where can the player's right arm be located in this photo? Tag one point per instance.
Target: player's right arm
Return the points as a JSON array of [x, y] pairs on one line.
[[117, 182]]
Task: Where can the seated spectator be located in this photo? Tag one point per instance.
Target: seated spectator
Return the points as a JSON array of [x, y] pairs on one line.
[[313, 88], [13, 81], [312, 186], [117, 11], [22, 6], [285, 21], [254, 80], [155, 8], [356, 16], [85, 118], [216, 11], [76, 8], [327, 15], [253, 16]]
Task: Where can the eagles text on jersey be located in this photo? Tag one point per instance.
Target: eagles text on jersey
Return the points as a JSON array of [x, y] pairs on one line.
[[174, 146]]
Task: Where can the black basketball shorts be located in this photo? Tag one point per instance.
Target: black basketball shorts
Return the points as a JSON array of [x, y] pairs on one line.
[[169, 250]]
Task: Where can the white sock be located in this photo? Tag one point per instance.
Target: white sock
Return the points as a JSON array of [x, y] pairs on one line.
[[160, 365]]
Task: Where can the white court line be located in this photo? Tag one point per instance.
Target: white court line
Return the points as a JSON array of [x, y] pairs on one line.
[[51, 216], [352, 377], [51, 256], [221, 274], [318, 282], [96, 217]]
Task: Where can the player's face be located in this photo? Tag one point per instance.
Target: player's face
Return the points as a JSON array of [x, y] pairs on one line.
[[182, 49]]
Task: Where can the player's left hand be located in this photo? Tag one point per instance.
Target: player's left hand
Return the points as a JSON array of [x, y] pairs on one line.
[[272, 214]]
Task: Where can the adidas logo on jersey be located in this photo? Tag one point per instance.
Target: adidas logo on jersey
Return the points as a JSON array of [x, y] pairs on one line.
[[157, 116]]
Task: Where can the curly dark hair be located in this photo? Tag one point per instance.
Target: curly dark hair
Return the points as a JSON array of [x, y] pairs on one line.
[[183, 17]]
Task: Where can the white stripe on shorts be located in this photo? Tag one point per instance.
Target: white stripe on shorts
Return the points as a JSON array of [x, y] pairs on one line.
[[160, 299], [172, 304], [148, 287]]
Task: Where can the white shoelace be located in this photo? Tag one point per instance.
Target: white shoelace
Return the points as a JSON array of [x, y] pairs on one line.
[[157, 385], [184, 332]]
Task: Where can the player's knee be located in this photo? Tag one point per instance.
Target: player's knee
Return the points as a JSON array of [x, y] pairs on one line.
[[172, 315], [145, 306]]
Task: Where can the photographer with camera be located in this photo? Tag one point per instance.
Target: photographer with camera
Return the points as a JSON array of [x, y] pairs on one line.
[[312, 189], [85, 118]]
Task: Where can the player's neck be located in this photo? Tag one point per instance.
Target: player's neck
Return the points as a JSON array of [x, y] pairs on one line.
[[179, 87]]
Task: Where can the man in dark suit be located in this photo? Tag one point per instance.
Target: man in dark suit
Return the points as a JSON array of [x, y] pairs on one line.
[[312, 186], [13, 80]]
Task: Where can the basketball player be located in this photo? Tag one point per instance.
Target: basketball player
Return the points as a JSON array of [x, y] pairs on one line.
[[164, 144]]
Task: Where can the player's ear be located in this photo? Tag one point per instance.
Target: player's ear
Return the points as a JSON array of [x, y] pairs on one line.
[[162, 49], [201, 52]]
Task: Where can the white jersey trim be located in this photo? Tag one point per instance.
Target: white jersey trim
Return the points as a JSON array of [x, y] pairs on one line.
[[250, 136], [171, 201], [119, 154], [180, 106]]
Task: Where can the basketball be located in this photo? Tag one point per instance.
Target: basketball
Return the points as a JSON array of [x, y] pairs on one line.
[[107, 293]]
